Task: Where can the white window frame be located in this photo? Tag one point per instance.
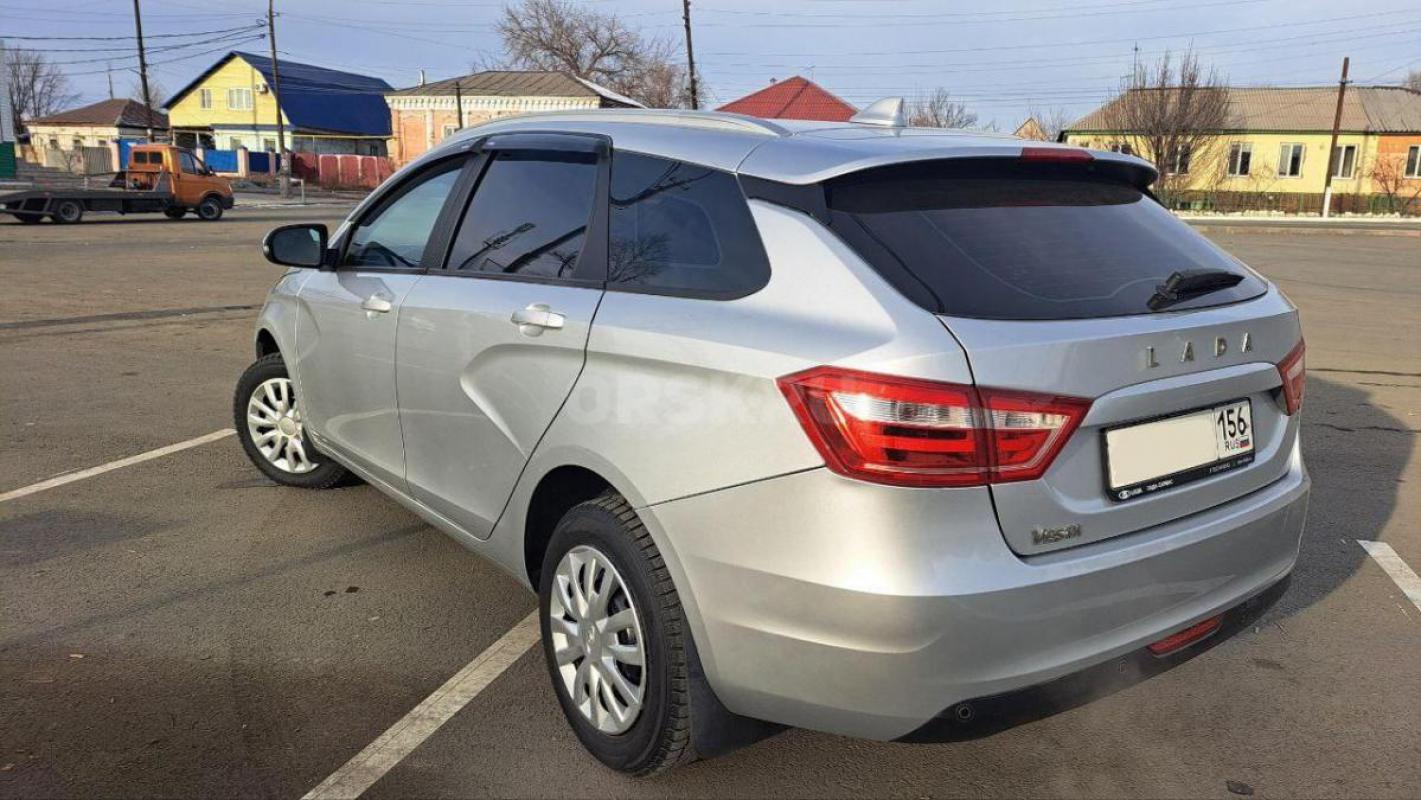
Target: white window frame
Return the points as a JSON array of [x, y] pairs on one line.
[[449, 130], [1337, 173], [1285, 161], [1413, 162], [204, 98], [242, 96], [1235, 167]]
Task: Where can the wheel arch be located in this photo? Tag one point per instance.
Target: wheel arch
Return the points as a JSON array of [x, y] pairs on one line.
[[555, 494], [266, 343]]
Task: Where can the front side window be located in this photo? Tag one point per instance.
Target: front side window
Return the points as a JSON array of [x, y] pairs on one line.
[[529, 215], [188, 163], [1240, 159], [1290, 161], [1344, 161], [1413, 161], [681, 228], [395, 234]]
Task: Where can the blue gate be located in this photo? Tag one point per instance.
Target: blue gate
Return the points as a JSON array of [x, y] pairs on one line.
[[124, 146], [258, 163], [221, 160]]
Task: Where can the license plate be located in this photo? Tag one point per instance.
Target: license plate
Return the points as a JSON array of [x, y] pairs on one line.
[[1153, 456]]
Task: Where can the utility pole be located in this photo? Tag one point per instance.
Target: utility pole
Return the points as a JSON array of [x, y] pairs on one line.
[[690, 54], [108, 70], [1332, 149], [142, 70], [459, 104], [284, 179]]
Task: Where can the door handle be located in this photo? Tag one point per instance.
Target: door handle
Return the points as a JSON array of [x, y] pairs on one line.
[[535, 318], [377, 304]]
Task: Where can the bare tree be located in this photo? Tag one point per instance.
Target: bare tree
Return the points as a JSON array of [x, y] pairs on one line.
[[1388, 176], [1051, 120], [1171, 113], [157, 93], [1413, 80], [939, 110], [596, 46], [37, 87]]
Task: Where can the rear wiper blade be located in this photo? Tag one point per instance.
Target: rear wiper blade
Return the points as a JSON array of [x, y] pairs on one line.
[[1189, 283]]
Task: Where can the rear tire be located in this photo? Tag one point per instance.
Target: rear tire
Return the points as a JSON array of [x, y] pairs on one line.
[[268, 421], [174, 213], [603, 543], [209, 210], [68, 212]]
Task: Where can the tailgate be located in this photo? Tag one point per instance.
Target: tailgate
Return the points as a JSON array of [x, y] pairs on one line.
[[1134, 370]]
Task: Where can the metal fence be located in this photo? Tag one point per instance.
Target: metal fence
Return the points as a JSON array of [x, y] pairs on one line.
[[220, 160], [341, 171]]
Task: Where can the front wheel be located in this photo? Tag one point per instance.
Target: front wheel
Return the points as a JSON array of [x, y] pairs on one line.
[[615, 639], [210, 209], [268, 421]]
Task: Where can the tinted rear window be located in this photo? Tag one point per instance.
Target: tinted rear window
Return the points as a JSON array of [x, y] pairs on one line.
[[1008, 241], [680, 228]]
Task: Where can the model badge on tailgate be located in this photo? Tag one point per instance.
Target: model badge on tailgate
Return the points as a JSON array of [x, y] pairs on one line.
[[1041, 536]]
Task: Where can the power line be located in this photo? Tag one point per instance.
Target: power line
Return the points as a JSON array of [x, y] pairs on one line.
[[231, 37], [1076, 43], [121, 38]]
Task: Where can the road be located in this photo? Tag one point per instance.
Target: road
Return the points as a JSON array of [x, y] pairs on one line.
[[182, 627]]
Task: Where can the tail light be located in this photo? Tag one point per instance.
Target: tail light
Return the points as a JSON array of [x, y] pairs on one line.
[[1294, 373], [909, 432]]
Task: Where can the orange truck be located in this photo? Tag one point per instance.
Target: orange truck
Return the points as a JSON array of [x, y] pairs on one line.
[[160, 178]]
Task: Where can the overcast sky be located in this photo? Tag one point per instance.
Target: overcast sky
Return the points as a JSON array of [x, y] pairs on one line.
[[1001, 59]]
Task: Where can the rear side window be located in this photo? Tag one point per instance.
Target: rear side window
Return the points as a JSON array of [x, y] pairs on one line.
[[679, 228], [529, 215], [141, 157], [1023, 241]]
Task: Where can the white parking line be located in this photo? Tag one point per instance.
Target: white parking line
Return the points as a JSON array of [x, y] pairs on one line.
[[1389, 561], [33, 488], [381, 755]]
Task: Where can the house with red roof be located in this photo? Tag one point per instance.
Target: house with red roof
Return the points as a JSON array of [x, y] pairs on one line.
[[796, 98]]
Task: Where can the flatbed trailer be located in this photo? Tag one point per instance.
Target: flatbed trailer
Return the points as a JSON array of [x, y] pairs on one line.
[[160, 179]]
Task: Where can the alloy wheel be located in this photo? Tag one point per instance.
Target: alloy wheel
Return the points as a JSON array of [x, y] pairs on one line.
[[274, 423], [597, 640]]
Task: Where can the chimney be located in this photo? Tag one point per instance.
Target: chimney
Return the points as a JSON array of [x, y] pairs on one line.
[[421, 77]]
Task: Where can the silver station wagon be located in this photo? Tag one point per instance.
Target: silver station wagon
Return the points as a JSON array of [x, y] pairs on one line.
[[849, 426]]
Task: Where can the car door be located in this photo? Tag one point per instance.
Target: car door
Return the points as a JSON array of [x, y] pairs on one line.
[[345, 336], [491, 343]]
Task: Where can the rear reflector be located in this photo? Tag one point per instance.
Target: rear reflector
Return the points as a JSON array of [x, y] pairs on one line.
[[909, 432], [1066, 154], [1186, 637], [1294, 372]]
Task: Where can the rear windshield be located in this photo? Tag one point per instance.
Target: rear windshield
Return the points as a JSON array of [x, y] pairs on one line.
[[1023, 241]]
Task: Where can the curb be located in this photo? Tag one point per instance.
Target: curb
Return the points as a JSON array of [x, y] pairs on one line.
[[1304, 230]]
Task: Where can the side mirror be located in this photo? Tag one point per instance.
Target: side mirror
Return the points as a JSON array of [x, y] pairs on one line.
[[296, 245]]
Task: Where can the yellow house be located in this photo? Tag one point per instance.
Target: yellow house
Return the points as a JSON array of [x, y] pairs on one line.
[[234, 103], [1274, 154]]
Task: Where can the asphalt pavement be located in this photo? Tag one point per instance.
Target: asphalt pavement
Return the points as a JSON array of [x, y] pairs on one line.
[[183, 627]]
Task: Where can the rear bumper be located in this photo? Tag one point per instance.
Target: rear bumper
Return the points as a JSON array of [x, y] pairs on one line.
[[865, 610]]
